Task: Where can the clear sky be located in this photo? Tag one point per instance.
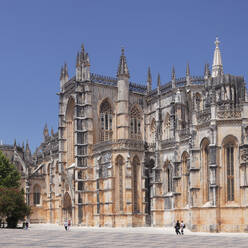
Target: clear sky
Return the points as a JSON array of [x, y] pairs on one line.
[[37, 37]]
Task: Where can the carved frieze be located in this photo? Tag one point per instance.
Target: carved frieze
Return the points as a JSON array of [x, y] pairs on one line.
[[203, 116], [229, 112]]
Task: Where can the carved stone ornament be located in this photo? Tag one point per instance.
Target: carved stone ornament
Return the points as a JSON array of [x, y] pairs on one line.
[[244, 155]]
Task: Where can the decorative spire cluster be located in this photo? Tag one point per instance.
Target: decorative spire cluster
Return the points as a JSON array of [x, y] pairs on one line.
[[217, 67], [82, 65], [82, 58], [123, 69], [64, 72]]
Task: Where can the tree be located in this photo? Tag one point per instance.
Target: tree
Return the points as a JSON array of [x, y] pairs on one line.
[[13, 206], [12, 202], [9, 175]]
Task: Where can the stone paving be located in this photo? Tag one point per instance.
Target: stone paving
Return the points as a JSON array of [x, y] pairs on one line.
[[56, 236]]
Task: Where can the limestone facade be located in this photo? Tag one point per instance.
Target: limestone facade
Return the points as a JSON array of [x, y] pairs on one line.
[[129, 155]]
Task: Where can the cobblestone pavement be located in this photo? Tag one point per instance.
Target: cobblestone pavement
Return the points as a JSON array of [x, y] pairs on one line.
[[56, 236]]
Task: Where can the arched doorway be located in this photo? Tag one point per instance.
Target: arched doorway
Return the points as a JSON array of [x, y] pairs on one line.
[[67, 207]]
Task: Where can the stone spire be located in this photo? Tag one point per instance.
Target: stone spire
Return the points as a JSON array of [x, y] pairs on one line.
[[173, 77], [187, 71], [217, 61], [123, 69], [206, 71], [187, 75], [52, 132], [62, 73], [158, 83], [173, 73], [66, 75], [82, 54], [149, 80], [45, 132], [78, 60]]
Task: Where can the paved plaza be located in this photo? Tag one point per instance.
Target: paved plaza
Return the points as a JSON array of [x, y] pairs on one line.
[[56, 236]]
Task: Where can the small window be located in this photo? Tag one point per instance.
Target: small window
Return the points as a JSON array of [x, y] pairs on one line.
[[36, 195]]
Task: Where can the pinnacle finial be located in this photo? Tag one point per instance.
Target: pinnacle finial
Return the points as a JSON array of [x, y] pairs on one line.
[[78, 60], [158, 81], [66, 70], [62, 73], [173, 73], [187, 70], [123, 69], [217, 67], [149, 76], [217, 42], [206, 70]]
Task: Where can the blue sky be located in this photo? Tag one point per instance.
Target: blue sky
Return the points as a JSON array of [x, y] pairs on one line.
[[37, 37]]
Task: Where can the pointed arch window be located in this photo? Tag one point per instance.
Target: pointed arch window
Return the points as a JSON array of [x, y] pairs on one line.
[[167, 178], [70, 139], [135, 170], [205, 168], [135, 123], [106, 117], [185, 178], [119, 182], [36, 195], [229, 150]]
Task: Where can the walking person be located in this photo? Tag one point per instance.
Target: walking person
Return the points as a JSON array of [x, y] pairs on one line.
[[182, 226], [177, 227], [66, 225], [69, 224]]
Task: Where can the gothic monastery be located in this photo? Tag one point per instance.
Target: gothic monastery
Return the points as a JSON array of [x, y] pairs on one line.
[[127, 155]]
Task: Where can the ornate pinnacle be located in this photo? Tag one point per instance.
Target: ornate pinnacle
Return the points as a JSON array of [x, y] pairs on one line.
[[66, 70], [149, 76], [173, 73], [62, 73], [87, 59], [158, 81], [123, 69], [217, 67], [217, 42], [78, 60], [187, 70], [206, 70]]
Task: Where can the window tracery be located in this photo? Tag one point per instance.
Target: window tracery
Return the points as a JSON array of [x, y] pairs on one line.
[[135, 123], [168, 183], [36, 195], [119, 182], [167, 125], [106, 114], [135, 184], [185, 179], [70, 139], [229, 150], [205, 168]]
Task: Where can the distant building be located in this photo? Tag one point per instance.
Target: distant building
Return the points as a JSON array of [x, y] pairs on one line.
[[129, 155]]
